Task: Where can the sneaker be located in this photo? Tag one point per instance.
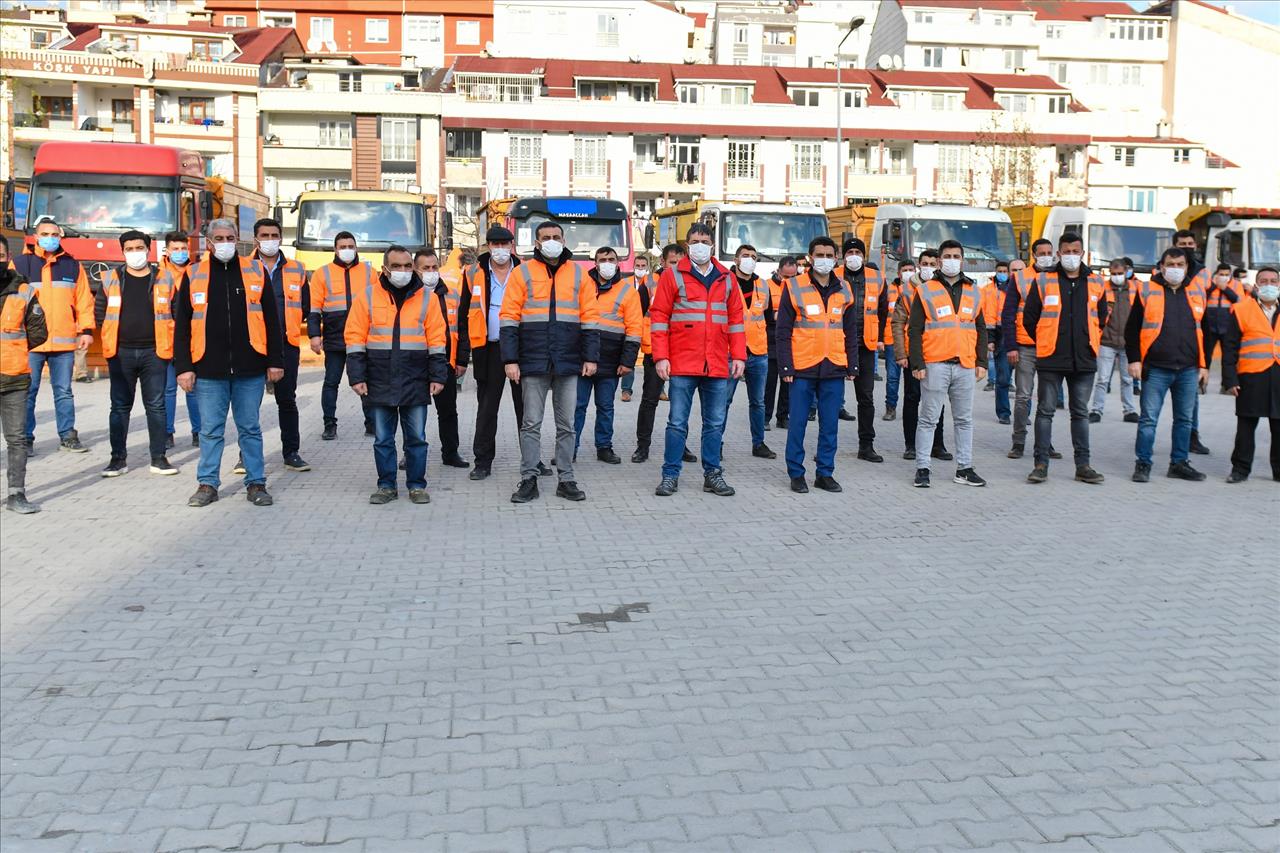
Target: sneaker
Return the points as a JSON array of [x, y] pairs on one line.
[[968, 477], [115, 468], [85, 380], [845, 415], [330, 432], [72, 444], [17, 502], [1086, 474], [543, 471], [990, 386], [383, 496], [1016, 451], [689, 456], [258, 495], [827, 484], [419, 496], [400, 464], [799, 486], [526, 491], [569, 490], [1095, 417], [715, 484], [1004, 419], [782, 423], [909, 453], [1196, 446], [195, 439], [922, 478], [203, 496], [813, 416], [641, 455], [453, 460], [368, 430], [1237, 477], [607, 456], [870, 455], [663, 397], [1131, 418], [768, 427], [294, 462], [479, 473], [1038, 474], [667, 487], [626, 396], [1184, 471], [941, 452], [889, 414], [763, 451], [1141, 472], [168, 442], [1054, 453], [161, 465], [238, 468], [31, 451]]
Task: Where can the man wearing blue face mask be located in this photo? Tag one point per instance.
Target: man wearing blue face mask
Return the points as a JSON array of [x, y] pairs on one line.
[[173, 269], [999, 379]]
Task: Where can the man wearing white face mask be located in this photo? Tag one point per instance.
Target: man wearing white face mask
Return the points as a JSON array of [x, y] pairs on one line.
[[333, 287], [1019, 348], [872, 298], [757, 311], [1111, 353], [135, 320], [1251, 371]]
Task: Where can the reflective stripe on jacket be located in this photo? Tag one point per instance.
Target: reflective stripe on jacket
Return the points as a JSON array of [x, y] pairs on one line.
[[198, 293], [697, 327], [818, 331], [949, 332], [13, 331], [1259, 340], [549, 322], [161, 295], [64, 294]]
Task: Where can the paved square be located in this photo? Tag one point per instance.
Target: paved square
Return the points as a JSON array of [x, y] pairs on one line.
[[1061, 667]]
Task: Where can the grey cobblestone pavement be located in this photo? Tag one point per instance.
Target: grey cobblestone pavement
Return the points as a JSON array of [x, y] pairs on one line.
[[1058, 668]]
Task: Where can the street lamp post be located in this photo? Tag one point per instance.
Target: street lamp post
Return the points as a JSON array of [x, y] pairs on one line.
[[853, 27]]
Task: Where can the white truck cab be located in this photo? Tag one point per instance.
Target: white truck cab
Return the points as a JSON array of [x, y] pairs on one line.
[[903, 231]]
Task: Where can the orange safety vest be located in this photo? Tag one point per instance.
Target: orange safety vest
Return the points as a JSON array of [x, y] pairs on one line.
[[452, 300], [329, 291], [1153, 315], [198, 294], [650, 284], [990, 304], [534, 280], [161, 306], [818, 332], [421, 329], [1051, 310], [1218, 300], [65, 297], [895, 293], [870, 306], [293, 276], [1259, 340], [753, 316], [174, 272], [13, 331], [620, 315], [1023, 285], [949, 333]]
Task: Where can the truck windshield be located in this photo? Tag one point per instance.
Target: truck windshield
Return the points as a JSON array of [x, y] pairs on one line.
[[1140, 243], [374, 223], [105, 210], [984, 242], [581, 236], [1264, 247], [772, 234]]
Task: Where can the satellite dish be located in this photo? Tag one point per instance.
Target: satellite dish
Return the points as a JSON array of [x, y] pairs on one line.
[[635, 57], [331, 47], [885, 62], [490, 47], [897, 63], [313, 44]]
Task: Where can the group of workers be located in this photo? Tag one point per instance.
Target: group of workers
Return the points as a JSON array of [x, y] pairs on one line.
[[227, 328]]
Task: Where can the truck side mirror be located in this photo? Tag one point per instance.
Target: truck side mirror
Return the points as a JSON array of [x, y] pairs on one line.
[[8, 205], [1024, 241], [277, 213], [206, 205], [446, 226]]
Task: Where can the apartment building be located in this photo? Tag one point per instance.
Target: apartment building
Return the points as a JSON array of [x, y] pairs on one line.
[[792, 34], [636, 30], [193, 86]]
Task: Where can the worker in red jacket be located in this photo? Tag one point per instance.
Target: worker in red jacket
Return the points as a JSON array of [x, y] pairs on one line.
[[699, 343]]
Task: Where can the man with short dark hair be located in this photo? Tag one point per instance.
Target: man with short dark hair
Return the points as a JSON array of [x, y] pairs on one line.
[[172, 269], [22, 327], [1221, 293], [871, 301], [777, 394], [1019, 348], [1000, 372], [756, 304], [332, 289], [426, 264], [910, 278], [620, 329], [135, 318], [1118, 294], [1197, 276]]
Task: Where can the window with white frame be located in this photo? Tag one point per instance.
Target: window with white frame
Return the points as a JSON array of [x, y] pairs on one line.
[[807, 161], [524, 157], [689, 93], [399, 139], [1059, 104], [350, 81], [606, 30], [1182, 155], [855, 98], [642, 93], [924, 17], [322, 29], [804, 97], [589, 157], [645, 149], [953, 164], [596, 90], [1012, 103], [772, 60], [944, 101], [1142, 199], [235, 21], [742, 160], [896, 161], [398, 183], [1054, 31], [860, 158], [466, 32], [278, 19], [1058, 72], [377, 30], [335, 134], [463, 144], [1135, 29], [686, 150], [1015, 59], [1098, 73], [423, 31], [1125, 156], [904, 98], [735, 95], [741, 34], [333, 184], [1131, 75], [932, 57]]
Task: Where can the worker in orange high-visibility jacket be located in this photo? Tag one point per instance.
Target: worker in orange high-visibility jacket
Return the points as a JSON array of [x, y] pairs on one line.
[[549, 336], [227, 344], [776, 394], [621, 324], [757, 309], [135, 320], [171, 271], [1251, 371], [1165, 351], [868, 288], [1064, 313], [1019, 348], [641, 277], [67, 303], [448, 289], [332, 289], [819, 329], [397, 356], [22, 328]]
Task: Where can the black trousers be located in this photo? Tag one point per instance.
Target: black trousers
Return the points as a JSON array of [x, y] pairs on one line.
[[1242, 453], [864, 390], [1212, 340], [1049, 394], [128, 369], [491, 379], [782, 390], [335, 361], [286, 393], [911, 411], [447, 416], [651, 389]]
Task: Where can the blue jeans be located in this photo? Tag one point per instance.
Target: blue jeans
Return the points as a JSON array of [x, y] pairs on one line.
[[756, 373], [1185, 385], [606, 388], [64, 405], [713, 394], [171, 403], [242, 395], [1003, 377], [629, 381], [829, 394], [413, 423], [893, 378]]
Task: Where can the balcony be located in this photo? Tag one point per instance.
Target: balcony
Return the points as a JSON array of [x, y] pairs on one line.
[[464, 171], [36, 127], [303, 152], [659, 177]]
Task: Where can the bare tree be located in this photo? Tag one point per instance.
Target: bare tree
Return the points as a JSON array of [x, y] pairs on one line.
[[1009, 149]]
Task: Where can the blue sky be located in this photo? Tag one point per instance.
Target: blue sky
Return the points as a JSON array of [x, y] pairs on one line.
[[1263, 10]]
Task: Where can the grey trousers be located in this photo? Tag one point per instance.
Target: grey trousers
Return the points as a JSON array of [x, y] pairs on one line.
[[13, 418], [943, 383], [1024, 383], [564, 399]]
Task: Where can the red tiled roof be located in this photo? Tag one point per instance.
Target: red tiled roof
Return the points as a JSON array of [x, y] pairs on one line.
[[256, 44], [1226, 164], [1146, 140], [1045, 10]]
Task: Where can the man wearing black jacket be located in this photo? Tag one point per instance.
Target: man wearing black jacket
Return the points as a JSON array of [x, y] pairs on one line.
[[1196, 275], [1061, 316], [620, 325], [871, 301], [226, 337]]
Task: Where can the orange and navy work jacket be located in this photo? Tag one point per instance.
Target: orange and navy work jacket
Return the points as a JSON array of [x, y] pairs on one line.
[[64, 292]]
